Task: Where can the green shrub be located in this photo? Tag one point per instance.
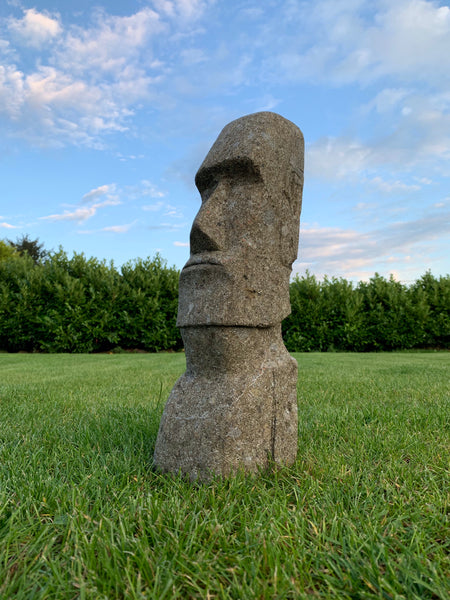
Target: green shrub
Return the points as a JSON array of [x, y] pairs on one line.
[[84, 305], [81, 304], [377, 315]]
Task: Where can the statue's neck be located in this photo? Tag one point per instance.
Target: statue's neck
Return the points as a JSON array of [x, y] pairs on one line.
[[224, 350]]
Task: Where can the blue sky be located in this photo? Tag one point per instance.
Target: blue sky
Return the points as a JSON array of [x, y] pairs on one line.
[[107, 110]]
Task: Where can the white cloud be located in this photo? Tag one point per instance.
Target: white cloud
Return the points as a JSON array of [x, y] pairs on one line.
[[389, 187], [192, 56], [84, 213], [168, 226], [355, 254], [144, 190], [419, 140], [7, 226], [11, 91], [98, 192], [118, 228], [93, 78], [124, 158], [93, 81], [112, 201], [181, 244], [388, 99], [365, 206], [51, 108], [149, 189], [363, 41], [186, 9], [411, 40], [112, 45], [109, 195], [49, 88], [35, 28], [84, 87], [79, 215], [153, 207], [172, 211], [5, 47], [336, 158]]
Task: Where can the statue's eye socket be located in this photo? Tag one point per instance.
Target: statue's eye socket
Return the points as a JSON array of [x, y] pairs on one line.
[[237, 171]]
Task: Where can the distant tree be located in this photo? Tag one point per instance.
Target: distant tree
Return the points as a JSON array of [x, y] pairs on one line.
[[6, 250], [33, 248]]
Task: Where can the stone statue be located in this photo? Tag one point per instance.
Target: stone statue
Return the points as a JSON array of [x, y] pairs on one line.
[[235, 407]]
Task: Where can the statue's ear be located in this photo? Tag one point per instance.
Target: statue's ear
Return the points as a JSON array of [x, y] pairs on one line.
[[291, 214], [295, 193]]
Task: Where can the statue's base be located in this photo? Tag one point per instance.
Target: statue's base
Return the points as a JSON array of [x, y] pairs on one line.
[[234, 409]]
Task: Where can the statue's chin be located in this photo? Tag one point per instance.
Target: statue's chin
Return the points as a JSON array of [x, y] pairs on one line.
[[214, 294]]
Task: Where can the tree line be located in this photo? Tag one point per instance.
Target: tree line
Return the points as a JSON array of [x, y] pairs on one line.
[[380, 314], [50, 302]]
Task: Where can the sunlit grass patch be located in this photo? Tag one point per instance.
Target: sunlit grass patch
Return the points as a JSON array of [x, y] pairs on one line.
[[362, 514]]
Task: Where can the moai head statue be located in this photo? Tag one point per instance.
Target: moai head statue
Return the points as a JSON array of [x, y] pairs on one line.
[[244, 238], [236, 405]]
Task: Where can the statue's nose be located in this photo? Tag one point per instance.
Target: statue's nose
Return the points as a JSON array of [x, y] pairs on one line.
[[208, 231]]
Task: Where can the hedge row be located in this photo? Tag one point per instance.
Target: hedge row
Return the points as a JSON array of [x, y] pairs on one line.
[[62, 304], [376, 315], [84, 305]]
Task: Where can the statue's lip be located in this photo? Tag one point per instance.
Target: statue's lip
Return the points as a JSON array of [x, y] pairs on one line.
[[198, 260]]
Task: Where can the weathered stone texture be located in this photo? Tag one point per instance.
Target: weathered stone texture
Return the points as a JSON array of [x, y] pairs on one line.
[[237, 409], [244, 238], [236, 405]]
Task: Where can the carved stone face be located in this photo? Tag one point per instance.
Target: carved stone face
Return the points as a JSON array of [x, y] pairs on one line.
[[245, 235]]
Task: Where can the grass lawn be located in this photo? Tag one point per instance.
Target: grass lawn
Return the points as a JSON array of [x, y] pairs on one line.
[[362, 514]]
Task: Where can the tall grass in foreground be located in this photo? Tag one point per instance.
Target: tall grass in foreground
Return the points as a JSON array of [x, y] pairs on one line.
[[362, 514]]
